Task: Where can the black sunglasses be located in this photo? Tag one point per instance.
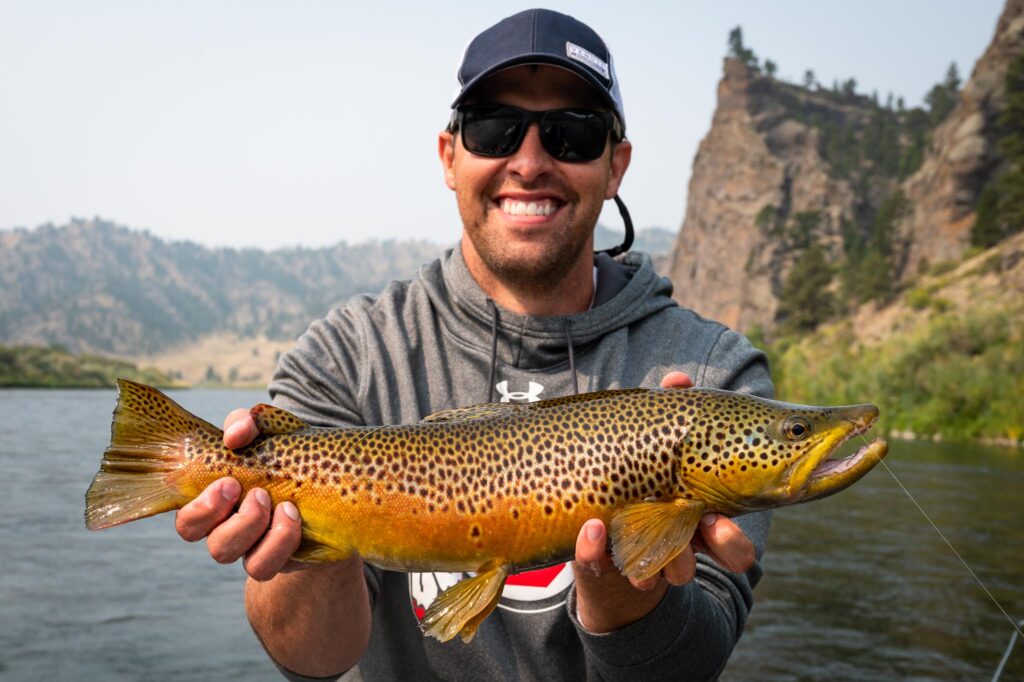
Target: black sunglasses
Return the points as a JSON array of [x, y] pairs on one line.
[[496, 130]]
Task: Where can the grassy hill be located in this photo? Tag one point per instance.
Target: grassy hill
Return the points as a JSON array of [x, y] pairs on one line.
[[945, 359], [33, 366]]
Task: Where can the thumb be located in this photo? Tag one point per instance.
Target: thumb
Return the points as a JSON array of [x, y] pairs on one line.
[[239, 429]]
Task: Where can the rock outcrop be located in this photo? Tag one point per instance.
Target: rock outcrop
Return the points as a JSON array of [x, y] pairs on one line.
[[963, 154], [770, 156]]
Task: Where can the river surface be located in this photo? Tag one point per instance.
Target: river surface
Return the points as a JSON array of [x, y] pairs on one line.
[[857, 587]]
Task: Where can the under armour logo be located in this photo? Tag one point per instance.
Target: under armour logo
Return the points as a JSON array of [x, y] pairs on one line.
[[530, 396]]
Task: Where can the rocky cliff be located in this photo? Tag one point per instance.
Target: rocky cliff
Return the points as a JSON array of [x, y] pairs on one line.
[[785, 166], [963, 154]]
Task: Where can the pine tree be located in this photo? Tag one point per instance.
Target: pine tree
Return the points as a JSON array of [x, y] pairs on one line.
[[737, 50], [805, 300]]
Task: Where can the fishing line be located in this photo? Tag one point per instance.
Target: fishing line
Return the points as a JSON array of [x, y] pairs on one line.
[[949, 544]]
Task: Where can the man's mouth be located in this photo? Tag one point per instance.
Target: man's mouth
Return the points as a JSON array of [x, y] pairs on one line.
[[538, 207]]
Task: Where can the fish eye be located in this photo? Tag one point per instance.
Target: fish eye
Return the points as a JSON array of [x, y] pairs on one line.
[[796, 428]]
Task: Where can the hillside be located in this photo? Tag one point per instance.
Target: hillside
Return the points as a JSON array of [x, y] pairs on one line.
[[92, 286], [944, 359], [807, 200], [34, 366], [201, 315]]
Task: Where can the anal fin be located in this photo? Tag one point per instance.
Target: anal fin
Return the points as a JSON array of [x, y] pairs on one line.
[[647, 535], [461, 608]]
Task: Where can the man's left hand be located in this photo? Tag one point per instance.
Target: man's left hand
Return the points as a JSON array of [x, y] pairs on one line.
[[606, 600]]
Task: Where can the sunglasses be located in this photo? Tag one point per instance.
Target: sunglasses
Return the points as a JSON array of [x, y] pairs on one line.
[[572, 135]]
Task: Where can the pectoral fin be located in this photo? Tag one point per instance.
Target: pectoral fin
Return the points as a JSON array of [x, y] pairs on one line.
[[461, 608], [315, 549], [647, 535]]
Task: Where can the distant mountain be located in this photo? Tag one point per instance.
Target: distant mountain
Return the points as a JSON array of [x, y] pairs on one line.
[[93, 286], [656, 241]]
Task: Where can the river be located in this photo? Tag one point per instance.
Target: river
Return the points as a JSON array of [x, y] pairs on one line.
[[857, 587]]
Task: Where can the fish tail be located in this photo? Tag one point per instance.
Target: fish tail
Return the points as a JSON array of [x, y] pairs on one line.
[[146, 451]]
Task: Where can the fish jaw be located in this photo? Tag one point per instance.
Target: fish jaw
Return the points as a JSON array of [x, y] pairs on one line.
[[818, 475], [831, 476]]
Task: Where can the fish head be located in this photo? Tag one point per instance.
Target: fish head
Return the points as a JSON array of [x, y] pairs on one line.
[[753, 453]]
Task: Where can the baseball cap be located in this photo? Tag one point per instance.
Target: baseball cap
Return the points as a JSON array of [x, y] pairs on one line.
[[541, 36]]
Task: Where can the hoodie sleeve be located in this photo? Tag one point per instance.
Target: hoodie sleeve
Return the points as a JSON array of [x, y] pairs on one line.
[[319, 379], [692, 632]]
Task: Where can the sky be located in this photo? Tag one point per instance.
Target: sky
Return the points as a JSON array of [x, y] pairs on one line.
[[271, 124]]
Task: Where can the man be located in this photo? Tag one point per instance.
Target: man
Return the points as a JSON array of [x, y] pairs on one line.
[[521, 310]]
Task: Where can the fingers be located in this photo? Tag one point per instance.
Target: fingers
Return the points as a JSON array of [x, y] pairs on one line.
[[239, 429], [236, 535], [676, 380], [726, 543], [682, 569], [273, 553], [196, 519], [605, 599], [230, 536]]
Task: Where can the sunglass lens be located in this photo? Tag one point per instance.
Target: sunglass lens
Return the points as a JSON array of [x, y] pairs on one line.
[[574, 135], [491, 131]]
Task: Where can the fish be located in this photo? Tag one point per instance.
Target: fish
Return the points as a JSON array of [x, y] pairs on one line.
[[496, 488]]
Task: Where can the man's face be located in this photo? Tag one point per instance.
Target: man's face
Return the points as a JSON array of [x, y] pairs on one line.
[[495, 194]]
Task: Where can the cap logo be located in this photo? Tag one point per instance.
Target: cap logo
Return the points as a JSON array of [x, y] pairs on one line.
[[574, 51]]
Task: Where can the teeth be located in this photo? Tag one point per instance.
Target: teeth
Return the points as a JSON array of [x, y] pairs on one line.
[[542, 208]]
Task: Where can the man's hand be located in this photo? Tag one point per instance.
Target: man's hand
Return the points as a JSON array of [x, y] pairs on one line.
[[606, 600], [266, 538]]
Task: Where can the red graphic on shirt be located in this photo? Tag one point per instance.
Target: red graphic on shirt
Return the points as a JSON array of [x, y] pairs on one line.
[[542, 577], [529, 586]]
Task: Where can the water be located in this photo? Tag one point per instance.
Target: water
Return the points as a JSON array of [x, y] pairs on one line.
[[858, 586]]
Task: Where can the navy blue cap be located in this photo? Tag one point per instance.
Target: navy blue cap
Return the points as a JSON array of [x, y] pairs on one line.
[[541, 36]]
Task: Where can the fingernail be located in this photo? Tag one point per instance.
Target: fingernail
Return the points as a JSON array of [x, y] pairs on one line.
[[229, 489], [263, 497], [290, 510], [594, 532], [708, 520]]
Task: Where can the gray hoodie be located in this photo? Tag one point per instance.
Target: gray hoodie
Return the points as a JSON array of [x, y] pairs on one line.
[[438, 342]]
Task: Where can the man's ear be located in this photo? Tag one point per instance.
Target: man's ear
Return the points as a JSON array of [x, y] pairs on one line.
[[621, 154], [446, 151]]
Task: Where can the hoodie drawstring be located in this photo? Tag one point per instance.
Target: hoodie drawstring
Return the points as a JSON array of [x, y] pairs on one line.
[[494, 352], [572, 358], [567, 326]]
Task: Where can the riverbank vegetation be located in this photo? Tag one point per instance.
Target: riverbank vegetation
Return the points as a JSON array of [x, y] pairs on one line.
[[54, 367], [957, 376]]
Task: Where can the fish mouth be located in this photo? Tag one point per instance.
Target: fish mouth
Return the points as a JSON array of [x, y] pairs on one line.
[[832, 475], [831, 466]]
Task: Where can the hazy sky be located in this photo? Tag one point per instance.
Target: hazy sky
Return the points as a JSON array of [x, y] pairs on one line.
[[271, 124]]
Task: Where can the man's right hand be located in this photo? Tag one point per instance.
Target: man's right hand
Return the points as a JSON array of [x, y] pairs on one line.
[[266, 538]]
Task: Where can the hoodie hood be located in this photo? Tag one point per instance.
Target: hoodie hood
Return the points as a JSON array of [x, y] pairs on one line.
[[628, 290]]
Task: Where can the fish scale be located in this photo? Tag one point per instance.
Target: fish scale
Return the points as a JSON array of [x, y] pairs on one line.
[[494, 488]]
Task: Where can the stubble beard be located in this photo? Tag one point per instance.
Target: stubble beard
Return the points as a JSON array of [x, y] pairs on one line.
[[538, 271]]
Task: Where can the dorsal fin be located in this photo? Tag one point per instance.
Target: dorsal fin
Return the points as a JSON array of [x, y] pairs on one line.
[[473, 412], [488, 410], [273, 421], [582, 398]]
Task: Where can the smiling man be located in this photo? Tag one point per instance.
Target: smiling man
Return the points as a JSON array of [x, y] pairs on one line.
[[522, 310]]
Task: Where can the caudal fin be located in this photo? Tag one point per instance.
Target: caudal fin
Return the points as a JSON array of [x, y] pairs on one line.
[[147, 437]]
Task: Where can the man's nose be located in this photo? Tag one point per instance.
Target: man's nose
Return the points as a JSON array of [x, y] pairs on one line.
[[531, 160]]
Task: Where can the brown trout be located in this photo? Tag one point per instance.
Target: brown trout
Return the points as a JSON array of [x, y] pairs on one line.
[[495, 488]]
